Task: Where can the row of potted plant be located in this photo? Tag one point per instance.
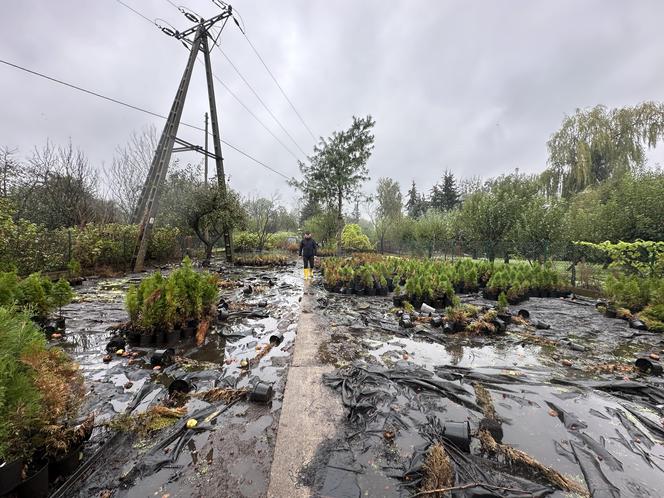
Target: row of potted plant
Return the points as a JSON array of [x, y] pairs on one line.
[[435, 281], [519, 281], [41, 391], [165, 309]]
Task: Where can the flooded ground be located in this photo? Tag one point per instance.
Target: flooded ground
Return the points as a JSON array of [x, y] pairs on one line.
[[567, 396], [231, 449]]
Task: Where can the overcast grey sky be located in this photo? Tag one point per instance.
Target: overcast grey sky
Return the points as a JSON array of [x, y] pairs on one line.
[[473, 86]]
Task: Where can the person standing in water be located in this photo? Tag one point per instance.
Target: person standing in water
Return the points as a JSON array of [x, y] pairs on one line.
[[308, 247]]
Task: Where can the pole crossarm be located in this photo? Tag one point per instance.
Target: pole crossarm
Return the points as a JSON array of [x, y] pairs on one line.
[[187, 146]]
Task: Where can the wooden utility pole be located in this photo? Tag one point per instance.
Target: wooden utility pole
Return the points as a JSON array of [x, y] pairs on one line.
[[148, 204]]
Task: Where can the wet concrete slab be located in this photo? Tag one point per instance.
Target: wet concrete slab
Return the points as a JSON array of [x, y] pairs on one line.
[[310, 414]]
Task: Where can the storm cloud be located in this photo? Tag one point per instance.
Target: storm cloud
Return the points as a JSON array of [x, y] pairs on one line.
[[474, 87]]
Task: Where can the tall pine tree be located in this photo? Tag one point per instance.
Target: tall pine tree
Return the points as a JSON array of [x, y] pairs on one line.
[[449, 192], [416, 204], [445, 195]]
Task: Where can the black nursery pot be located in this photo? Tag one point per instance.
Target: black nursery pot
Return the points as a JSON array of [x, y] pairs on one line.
[[162, 357], [187, 333], [173, 337], [10, 476], [458, 433], [60, 323], [648, 366], [115, 343], [66, 464], [134, 338], [179, 386], [611, 312], [35, 486], [146, 340], [262, 393], [398, 300], [276, 339], [370, 291], [160, 337]]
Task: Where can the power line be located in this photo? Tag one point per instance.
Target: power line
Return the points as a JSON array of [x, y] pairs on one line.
[[136, 108], [216, 44], [135, 11], [267, 108], [225, 86], [276, 82]]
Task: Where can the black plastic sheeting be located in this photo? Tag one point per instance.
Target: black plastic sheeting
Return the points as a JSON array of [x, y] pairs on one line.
[[396, 413]]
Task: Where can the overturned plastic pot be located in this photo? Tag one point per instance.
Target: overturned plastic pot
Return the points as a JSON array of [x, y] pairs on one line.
[[179, 386], [162, 357], [538, 324], [500, 325], [637, 324], [116, 343], [458, 433], [405, 321], [223, 314], [426, 309], [648, 366], [276, 339], [261, 393], [523, 314]]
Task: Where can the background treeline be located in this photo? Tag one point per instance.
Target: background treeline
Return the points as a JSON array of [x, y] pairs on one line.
[[58, 212], [596, 187]]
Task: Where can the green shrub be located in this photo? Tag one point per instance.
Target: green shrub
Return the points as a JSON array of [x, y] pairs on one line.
[[353, 239], [628, 291], [245, 241]]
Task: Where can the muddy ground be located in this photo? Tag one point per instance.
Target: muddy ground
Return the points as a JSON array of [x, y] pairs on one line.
[[228, 456]]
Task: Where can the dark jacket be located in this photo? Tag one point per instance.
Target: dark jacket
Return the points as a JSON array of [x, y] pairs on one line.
[[308, 248]]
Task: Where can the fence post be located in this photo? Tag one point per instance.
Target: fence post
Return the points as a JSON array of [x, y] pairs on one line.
[[69, 255]]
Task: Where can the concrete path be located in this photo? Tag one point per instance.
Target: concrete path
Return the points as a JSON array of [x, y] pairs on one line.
[[311, 412]]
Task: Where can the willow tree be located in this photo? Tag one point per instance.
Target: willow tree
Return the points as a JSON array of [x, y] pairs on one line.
[[336, 170], [598, 143]]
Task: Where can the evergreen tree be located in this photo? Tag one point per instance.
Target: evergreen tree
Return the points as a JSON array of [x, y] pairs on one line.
[[444, 195], [436, 198], [448, 192], [412, 201], [416, 204]]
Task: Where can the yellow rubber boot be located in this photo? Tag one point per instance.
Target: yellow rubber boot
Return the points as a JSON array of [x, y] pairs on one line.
[[306, 273]]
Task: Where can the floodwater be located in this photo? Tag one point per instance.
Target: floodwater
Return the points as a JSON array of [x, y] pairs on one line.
[[564, 391], [237, 443]]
